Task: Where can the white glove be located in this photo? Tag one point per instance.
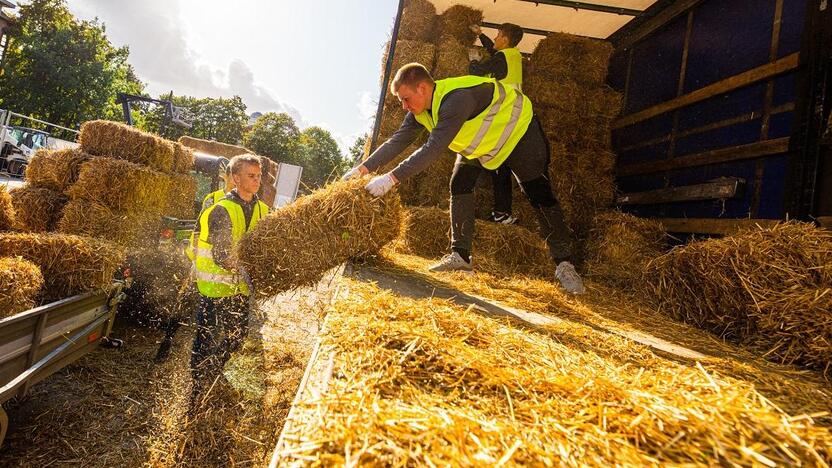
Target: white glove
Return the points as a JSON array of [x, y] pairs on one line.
[[381, 184], [475, 28], [354, 172], [474, 54]]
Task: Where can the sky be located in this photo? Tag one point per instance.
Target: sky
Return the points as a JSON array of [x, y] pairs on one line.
[[317, 60]]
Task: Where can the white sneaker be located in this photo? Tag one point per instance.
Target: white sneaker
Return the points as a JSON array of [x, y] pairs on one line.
[[452, 262], [569, 279]]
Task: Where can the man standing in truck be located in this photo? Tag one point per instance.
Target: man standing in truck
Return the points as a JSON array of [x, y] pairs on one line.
[[224, 288], [489, 125], [505, 64]]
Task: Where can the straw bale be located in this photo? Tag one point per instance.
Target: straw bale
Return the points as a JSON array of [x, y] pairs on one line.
[[574, 99], [456, 21], [20, 283], [121, 185], [55, 169], [428, 382], [407, 52], [183, 159], [768, 289], [576, 133], [433, 184], [37, 209], [562, 56], [129, 229], [7, 217], [451, 58], [392, 116], [120, 141], [70, 264], [621, 245], [295, 245], [214, 148], [497, 248], [418, 21], [181, 197]]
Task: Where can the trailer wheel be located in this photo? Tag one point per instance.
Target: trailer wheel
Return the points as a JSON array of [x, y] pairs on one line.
[[4, 424], [111, 343]]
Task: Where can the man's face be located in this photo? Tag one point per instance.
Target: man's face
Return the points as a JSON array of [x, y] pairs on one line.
[[248, 179], [415, 99], [501, 41]]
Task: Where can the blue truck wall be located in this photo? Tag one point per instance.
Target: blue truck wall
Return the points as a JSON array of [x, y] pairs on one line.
[[711, 42]]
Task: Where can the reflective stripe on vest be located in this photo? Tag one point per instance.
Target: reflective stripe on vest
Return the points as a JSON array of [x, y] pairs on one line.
[[492, 135], [213, 280], [514, 66]]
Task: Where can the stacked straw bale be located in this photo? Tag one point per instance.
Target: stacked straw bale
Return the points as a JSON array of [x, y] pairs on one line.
[[418, 21], [621, 245], [297, 244], [55, 169], [183, 159], [451, 58], [121, 185], [498, 248], [120, 141], [20, 284], [7, 215], [214, 148], [70, 264], [37, 209], [567, 57], [126, 228], [181, 197], [769, 289], [456, 21]]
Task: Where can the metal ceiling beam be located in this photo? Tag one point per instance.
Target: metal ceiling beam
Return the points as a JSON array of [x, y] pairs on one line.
[[588, 6], [539, 32]]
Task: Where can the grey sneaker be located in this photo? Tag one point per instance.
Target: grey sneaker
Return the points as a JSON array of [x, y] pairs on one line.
[[452, 262], [569, 279]]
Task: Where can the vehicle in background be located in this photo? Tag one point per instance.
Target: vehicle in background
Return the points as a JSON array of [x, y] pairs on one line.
[[18, 143]]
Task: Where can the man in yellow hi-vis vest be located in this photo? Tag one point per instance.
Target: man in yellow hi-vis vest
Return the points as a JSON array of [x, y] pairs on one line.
[[224, 289], [488, 125], [217, 195], [505, 64]]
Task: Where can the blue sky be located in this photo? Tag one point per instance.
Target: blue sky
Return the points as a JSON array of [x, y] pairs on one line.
[[317, 60]]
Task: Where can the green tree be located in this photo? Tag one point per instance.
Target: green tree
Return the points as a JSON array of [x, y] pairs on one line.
[[322, 159], [63, 70], [357, 149], [276, 136], [219, 119]]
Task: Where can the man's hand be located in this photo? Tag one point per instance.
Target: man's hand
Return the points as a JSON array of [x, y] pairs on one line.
[[381, 184], [355, 172], [474, 55], [475, 28]]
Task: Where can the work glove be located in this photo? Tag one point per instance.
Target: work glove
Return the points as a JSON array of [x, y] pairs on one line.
[[381, 184], [475, 28], [354, 172], [474, 55]]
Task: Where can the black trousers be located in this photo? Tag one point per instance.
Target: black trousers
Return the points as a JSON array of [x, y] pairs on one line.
[[501, 181], [221, 328], [529, 163]]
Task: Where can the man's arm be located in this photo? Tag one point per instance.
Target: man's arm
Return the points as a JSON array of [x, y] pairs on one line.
[[457, 107], [401, 139], [488, 44], [219, 236], [495, 65]]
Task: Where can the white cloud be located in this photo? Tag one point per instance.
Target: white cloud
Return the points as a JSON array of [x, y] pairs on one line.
[[367, 105]]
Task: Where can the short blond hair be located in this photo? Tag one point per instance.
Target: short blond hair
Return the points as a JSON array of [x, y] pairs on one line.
[[410, 74], [237, 162]]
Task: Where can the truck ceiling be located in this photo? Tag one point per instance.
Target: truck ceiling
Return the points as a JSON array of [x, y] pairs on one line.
[[594, 18]]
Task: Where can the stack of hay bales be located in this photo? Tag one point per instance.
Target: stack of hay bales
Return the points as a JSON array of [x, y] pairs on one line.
[[621, 245], [7, 215], [133, 180], [498, 249], [297, 244], [214, 148], [69, 264], [20, 283], [770, 289]]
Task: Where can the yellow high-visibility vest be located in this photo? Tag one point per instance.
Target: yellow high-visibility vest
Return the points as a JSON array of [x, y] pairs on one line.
[[514, 63], [214, 196], [492, 135], [212, 280]]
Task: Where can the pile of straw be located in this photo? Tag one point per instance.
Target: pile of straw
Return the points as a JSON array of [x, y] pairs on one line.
[[426, 382], [55, 169], [451, 58], [70, 264], [769, 289], [20, 283], [214, 148], [7, 216], [181, 197], [563, 56], [498, 248], [456, 21], [418, 21], [121, 185], [37, 209], [125, 228], [621, 245], [183, 159], [117, 140], [297, 244]]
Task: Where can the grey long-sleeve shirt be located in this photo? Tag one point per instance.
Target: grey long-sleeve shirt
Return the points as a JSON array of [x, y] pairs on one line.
[[457, 107]]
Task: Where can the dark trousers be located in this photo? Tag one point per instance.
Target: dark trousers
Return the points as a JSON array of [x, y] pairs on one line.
[[501, 180], [529, 162], [221, 327]]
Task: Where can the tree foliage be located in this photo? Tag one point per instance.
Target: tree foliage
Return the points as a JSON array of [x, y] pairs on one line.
[[357, 149], [322, 157], [63, 70], [217, 119], [277, 136]]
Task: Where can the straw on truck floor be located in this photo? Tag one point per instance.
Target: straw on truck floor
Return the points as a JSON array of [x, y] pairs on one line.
[[117, 140], [20, 284]]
